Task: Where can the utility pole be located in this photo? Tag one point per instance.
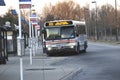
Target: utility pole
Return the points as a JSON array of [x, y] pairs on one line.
[[22, 4], [96, 35]]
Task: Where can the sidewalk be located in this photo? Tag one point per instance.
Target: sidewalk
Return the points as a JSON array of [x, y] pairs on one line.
[[39, 70]]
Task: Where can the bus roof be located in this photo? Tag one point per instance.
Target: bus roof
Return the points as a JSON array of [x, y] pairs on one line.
[[63, 22]]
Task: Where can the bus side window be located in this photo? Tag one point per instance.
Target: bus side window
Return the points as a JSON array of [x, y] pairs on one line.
[[81, 29], [77, 30]]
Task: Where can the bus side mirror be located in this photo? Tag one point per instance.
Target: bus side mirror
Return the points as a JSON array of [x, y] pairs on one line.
[[77, 34], [43, 32]]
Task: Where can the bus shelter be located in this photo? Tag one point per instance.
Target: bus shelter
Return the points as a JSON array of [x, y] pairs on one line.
[[3, 46], [11, 40]]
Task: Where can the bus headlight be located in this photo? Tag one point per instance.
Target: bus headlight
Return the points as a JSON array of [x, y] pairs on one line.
[[71, 46], [49, 48]]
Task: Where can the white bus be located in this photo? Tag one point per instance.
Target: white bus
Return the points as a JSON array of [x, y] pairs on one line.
[[64, 36]]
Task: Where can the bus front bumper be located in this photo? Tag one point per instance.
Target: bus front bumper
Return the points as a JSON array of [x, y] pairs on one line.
[[61, 49]]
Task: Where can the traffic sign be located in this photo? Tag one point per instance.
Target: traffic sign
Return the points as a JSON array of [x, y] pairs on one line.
[[25, 6], [24, 0]]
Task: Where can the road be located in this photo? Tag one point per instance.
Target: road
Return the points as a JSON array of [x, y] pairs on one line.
[[101, 62]]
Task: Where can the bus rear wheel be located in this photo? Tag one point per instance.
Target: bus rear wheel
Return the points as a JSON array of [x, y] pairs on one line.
[[78, 49], [84, 51], [85, 47]]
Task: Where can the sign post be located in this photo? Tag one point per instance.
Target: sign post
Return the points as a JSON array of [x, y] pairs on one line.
[[30, 40], [33, 20], [22, 4], [19, 46]]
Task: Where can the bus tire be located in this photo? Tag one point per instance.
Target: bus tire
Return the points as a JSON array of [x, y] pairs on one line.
[[49, 53], [85, 47], [78, 49], [84, 51]]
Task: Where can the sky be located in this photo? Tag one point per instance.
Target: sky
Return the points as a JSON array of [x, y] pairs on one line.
[[40, 3]]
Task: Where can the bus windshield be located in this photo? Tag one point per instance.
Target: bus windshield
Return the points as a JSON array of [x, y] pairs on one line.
[[55, 33]]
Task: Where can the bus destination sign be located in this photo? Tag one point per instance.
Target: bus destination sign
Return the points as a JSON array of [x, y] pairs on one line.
[[59, 23]]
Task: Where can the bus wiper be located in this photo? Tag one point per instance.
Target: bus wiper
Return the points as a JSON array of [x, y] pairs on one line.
[[53, 37], [56, 37]]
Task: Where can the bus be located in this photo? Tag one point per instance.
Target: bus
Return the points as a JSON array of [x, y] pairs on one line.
[[64, 36]]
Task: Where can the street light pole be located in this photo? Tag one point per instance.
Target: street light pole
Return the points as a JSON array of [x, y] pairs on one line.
[[96, 37], [116, 20], [85, 18]]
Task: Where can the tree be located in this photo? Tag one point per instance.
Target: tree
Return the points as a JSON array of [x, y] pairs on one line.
[[64, 10], [47, 12], [107, 20], [13, 19], [25, 19]]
